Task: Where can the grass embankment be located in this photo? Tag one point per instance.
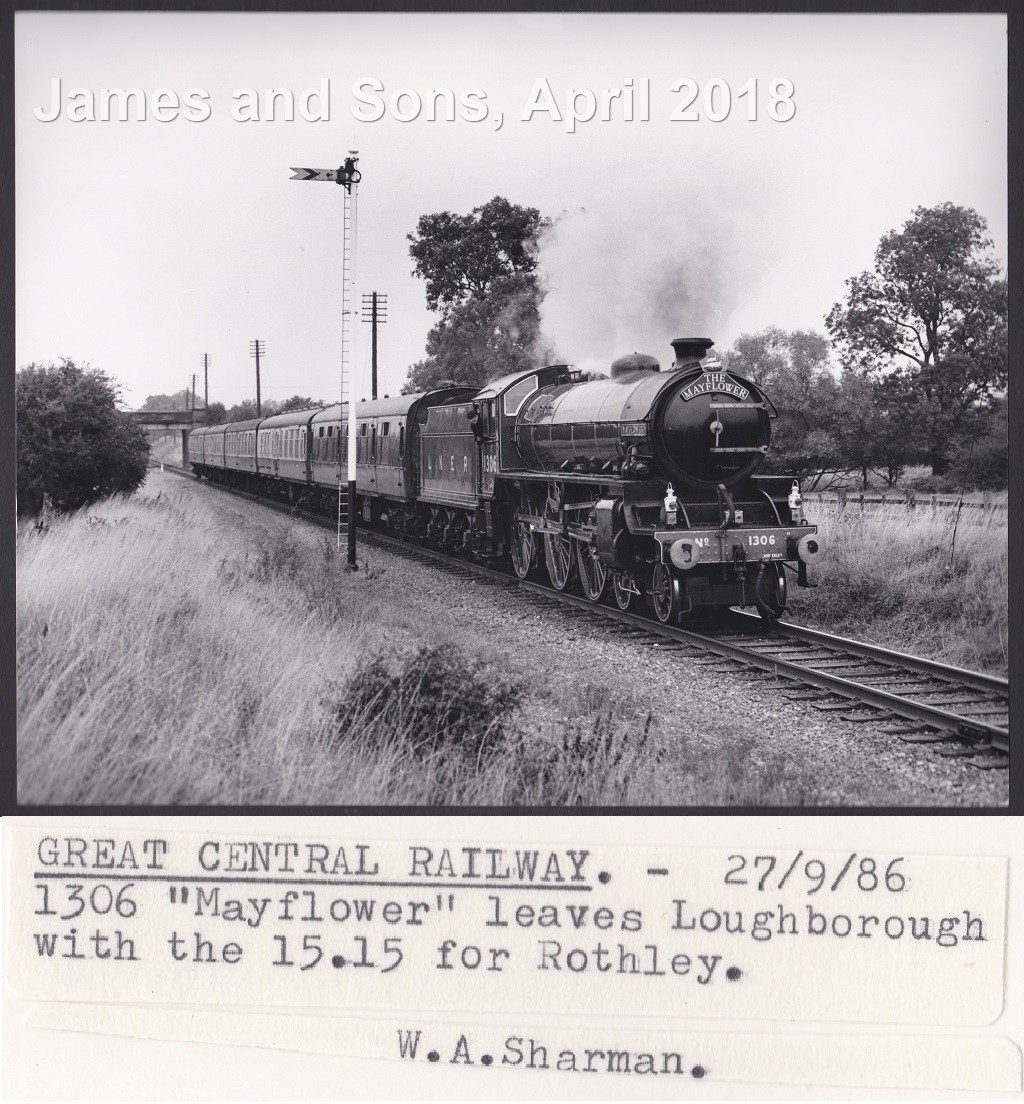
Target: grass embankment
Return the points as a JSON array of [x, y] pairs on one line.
[[182, 647], [894, 576]]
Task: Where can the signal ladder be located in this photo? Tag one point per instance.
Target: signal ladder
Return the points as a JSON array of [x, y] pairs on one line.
[[348, 262]]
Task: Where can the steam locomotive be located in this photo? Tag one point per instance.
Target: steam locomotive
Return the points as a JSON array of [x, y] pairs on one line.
[[642, 485]]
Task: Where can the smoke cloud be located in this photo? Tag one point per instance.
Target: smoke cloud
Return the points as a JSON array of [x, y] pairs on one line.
[[633, 273]]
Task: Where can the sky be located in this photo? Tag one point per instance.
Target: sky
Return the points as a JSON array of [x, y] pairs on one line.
[[143, 244]]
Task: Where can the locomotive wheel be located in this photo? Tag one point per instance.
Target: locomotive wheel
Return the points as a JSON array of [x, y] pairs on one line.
[[625, 596], [560, 560], [667, 593], [593, 574], [523, 548]]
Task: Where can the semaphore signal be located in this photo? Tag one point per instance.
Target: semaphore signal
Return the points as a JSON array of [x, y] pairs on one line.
[[348, 176]]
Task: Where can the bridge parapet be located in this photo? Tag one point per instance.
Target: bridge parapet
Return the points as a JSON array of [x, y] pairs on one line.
[[167, 419]]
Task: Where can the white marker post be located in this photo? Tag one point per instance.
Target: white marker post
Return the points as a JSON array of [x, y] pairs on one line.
[[348, 176]]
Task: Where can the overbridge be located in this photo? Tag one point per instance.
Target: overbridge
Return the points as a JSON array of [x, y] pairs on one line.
[[163, 425]]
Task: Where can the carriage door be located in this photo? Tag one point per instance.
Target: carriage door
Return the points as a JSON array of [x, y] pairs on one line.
[[401, 456], [488, 448]]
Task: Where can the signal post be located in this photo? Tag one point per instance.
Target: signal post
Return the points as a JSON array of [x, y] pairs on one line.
[[348, 176]]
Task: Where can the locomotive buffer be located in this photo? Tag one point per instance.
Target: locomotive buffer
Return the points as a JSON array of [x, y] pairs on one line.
[[348, 176]]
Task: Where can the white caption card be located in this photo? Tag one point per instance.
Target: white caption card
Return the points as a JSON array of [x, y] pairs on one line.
[[357, 923]]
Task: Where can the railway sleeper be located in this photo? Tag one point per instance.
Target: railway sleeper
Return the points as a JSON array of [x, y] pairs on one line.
[[903, 683], [836, 665], [956, 749], [843, 703], [989, 760], [929, 736], [959, 699]]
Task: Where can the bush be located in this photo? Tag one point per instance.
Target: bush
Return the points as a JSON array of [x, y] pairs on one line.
[[985, 467], [74, 445], [928, 484], [436, 699]]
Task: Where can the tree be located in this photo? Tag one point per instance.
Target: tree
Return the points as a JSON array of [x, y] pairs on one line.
[[215, 414], [243, 411], [73, 444], [930, 317], [793, 369], [480, 274], [876, 429], [180, 400], [299, 402], [980, 453]]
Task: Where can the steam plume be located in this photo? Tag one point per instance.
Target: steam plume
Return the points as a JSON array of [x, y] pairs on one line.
[[631, 275]]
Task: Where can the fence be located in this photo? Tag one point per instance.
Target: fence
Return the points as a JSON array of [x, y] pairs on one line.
[[987, 501]]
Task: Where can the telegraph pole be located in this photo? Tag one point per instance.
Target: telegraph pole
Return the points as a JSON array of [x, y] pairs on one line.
[[193, 391], [206, 381], [257, 349], [375, 310], [348, 176]]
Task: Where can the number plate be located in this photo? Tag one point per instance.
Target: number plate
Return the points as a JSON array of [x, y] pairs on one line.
[[718, 547]]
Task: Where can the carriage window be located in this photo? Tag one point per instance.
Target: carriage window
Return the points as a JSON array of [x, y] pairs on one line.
[[385, 429], [363, 430], [401, 441]]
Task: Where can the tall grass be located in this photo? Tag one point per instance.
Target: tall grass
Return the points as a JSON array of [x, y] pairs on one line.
[[897, 576], [177, 647]]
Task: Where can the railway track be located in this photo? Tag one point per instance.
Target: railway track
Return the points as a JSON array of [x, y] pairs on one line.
[[964, 714]]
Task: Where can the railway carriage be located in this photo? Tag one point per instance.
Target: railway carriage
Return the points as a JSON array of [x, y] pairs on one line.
[[282, 446], [196, 442], [387, 453], [240, 446]]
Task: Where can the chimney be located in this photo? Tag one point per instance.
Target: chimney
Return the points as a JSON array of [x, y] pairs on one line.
[[689, 351]]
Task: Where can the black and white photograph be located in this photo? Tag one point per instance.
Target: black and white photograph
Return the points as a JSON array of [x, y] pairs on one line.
[[512, 410]]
